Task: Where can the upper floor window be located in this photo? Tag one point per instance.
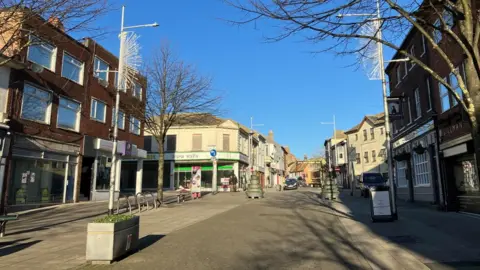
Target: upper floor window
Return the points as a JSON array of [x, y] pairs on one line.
[[72, 69], [455, 85], [444, 96], [424, 46], [101, 69], [409, 110], [122, 87], [357, 157], [68, 114], [365, 156], [399, 74], [365, 135], [447, 99], [412, 53], [98, 110], [36, 104], [372, 133], [356, 137], [42, 53], [381, 131], [197, 142], [418, 106], [120, 120], [171, 143], [226, 143], [137, 91], [374, 156], [340, 155], [134, 125], [429, 94], [437, 34]]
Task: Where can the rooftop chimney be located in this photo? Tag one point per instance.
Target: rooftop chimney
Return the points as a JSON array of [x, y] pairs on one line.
[[270, 136], [55, 21]]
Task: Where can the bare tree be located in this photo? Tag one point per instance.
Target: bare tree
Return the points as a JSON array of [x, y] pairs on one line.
[[176, 95], [455, 22], [20, 19]]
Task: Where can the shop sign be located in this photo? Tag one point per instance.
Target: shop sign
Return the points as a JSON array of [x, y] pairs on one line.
[[412, 135], [452, 131], [200, 156], [104, 145]]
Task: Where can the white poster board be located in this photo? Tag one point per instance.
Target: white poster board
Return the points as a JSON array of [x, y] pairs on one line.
[[196, 179], [381, 203]]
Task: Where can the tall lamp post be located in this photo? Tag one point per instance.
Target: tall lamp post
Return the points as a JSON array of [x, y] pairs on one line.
[[250, 143], [120, 83], [334, 137], [378, 35]]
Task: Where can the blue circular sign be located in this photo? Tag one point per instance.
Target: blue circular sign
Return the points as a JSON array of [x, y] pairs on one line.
[[213, 152]]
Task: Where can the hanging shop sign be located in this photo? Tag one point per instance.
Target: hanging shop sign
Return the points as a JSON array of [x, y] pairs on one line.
[[394, 108]]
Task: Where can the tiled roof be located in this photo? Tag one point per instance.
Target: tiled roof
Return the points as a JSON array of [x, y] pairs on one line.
[[197, 119], [376, 119]]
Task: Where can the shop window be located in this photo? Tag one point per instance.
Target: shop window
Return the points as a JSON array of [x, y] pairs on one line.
[[421, 168], [402, 174], [68, 114], [103, 173], [36, 104]]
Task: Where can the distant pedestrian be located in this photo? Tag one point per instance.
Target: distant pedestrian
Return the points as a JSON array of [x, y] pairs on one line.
[[234, 183]]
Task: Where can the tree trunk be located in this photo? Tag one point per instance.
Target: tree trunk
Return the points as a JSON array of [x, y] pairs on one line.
[[161, 160]]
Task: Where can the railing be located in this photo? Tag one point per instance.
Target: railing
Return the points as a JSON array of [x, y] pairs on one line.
[[140, 201]]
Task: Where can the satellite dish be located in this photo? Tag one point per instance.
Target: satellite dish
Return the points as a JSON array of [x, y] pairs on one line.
[[37, 68]]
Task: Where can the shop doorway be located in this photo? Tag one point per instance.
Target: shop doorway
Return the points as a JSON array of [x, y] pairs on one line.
[[86, 179]]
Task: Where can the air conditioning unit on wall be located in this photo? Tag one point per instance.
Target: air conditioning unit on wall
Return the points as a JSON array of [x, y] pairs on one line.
[[103, 83]]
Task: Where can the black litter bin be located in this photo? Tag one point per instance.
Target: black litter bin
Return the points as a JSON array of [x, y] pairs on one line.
[[380, 203]]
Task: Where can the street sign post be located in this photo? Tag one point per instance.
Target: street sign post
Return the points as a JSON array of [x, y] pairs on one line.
[[213, 154]]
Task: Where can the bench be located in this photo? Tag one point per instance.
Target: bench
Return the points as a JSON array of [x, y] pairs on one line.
[[182, 195], [3, 222]]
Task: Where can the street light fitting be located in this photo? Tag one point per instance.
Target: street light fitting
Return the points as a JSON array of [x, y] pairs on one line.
[[339, 16]]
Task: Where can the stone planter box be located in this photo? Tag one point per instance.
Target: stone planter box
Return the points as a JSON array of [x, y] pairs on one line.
[[109, 241]]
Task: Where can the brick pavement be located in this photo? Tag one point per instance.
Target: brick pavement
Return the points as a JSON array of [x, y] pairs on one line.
[[42, 242]]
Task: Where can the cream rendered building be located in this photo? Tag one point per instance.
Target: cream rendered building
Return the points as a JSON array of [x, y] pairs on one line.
[[366, 147], [188, 144]]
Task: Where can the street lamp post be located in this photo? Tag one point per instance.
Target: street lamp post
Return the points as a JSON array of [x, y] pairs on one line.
[[385, 104], [120, 83], [334, 137]]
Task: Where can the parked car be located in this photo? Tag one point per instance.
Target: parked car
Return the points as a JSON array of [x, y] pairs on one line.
[[301, 182], [368, 180], [290, 184]]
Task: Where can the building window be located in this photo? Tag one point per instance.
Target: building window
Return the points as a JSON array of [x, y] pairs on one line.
[[399, 74], [171, 143], [372, 133], [122, 87], [374, 157], [424, 46], [455, 85], [356, 137], [429, 94], [402, 174], [42, 53], [68, 114], [437, 34], [97, 110], [137, 91], [226, 142], [365, 156], [381, 131], [101, 69], [409, 111], [418, 106], [340, 155], [134, 125], [357, 157], [421, 167], [365, 135], [444, 96], [36, 104], [121, 119], [448, 18], [412, 53], [197, 142], [72, 69]]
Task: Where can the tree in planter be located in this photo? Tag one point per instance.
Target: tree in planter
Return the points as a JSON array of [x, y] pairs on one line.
[[21, 20], [176, 95], [450, 28]]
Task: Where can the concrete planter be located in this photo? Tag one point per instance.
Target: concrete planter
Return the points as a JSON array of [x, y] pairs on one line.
[[108, 241]]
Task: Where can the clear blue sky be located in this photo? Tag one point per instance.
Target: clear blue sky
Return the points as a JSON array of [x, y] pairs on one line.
[[282, 85]]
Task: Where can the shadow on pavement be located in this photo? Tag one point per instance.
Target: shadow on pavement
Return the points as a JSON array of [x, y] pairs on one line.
[[14, 247], [148, 240]]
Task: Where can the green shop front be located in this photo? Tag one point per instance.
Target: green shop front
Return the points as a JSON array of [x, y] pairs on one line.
[[182, 165]]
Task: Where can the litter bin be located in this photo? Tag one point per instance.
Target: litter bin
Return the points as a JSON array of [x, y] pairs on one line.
[[380, 204]]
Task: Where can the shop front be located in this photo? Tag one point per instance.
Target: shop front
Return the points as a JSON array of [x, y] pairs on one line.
[[42, 171], [101, 165], [458, 161], [415, 157], [183, 165]]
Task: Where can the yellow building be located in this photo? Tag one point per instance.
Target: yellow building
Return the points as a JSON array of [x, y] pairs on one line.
[[367, 147]]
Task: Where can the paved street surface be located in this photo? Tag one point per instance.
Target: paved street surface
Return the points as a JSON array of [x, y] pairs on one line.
[[286, 230]]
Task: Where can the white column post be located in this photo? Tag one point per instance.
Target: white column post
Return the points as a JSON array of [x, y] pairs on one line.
[[118, 172], [172, 175], [94, 180], [214, 176], [139, 178], [65, 181]]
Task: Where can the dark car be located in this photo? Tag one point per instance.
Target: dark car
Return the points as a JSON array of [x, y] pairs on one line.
[[368, 180], [290, 184]]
